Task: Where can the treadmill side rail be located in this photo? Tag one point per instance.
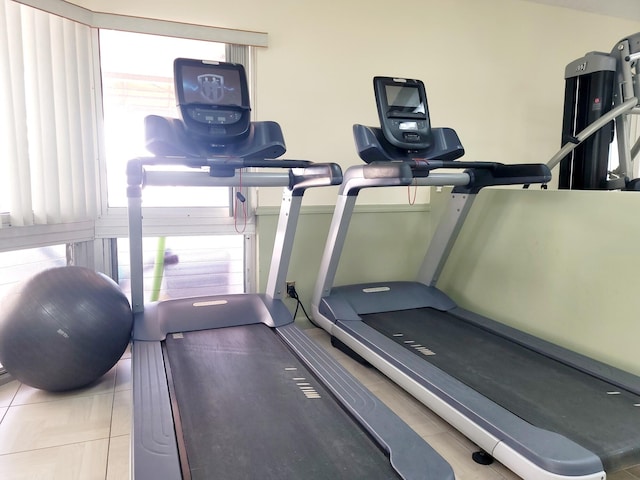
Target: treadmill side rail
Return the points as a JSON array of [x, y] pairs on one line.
[[487, 424], [155, 450], [410, 456]]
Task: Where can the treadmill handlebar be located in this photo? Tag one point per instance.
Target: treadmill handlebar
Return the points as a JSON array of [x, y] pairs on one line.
[[418, 164], [302, 174], [234, 163], [479, 174], [375, 174], [315, 175], [516, 174]]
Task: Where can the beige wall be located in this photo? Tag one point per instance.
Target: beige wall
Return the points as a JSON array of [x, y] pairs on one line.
[[493, 68], [562, 263], [382, 244]]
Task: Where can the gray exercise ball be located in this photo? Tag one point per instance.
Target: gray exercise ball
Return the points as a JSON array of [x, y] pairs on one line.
[[64, 328]]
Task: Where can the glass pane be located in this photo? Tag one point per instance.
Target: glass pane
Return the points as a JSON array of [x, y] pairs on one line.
[[137, 80], [193, 266], [19, 265]]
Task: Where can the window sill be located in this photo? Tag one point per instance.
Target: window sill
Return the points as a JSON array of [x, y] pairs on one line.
[[33, 236]]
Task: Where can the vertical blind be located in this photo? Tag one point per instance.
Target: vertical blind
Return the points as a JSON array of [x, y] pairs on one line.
[[48, 139]]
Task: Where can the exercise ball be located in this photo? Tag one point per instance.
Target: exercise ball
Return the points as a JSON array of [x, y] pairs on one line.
[[64, 328]]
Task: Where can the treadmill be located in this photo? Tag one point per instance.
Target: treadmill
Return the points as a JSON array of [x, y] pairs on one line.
[[227, 386], [543, 411]]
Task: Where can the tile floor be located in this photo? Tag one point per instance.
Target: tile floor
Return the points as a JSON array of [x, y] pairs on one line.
[[81, 435], [84, 435]]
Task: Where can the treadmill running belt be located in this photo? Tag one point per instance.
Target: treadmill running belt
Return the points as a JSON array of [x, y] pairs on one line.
[[250, 409], [546, 393]]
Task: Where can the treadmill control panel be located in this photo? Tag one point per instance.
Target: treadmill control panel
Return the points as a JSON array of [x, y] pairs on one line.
[[213, 116], [213, 98], [403, 112]]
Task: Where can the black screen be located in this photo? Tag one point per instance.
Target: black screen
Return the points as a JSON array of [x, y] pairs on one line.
[[206, 84], [404, 99]]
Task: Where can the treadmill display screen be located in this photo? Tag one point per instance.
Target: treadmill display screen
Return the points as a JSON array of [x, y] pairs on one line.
[[403, 112], [206, 84], [404, 99], [213, 99]]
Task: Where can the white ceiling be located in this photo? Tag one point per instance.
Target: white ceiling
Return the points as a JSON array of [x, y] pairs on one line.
[[629, 9]]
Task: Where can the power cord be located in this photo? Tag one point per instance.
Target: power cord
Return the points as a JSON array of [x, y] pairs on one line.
[[291, 291]]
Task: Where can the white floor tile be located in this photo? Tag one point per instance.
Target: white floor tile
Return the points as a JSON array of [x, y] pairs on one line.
[[28, 395], [8, 392], [118, 460], [123, 374], [61, 422], [79, 461], [121, 418]]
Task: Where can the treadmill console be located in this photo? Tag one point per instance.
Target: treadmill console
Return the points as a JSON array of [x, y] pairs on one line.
[[403, 112], [213, 99]]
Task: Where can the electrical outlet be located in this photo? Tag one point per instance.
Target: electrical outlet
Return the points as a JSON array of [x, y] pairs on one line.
[[291, 288]]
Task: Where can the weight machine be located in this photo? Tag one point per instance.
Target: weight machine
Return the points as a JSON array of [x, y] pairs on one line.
[[599, 138]]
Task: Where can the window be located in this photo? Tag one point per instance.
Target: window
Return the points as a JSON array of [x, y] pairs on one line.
[[178, 267], [20, 265], [54, 194], [134, 85], [137, 80], [57, 184]]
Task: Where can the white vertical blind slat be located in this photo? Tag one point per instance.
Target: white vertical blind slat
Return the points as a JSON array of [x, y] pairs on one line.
[[32, 99], [45, 166], [48, 126], [15, 173], [63, 126], [85, 181], [76, 186]]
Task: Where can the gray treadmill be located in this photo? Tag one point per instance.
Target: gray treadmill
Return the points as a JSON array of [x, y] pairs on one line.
[[227, 386], [543, 411]]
